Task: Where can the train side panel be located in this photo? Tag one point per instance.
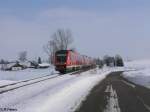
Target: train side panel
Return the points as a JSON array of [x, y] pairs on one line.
[[67, 61]]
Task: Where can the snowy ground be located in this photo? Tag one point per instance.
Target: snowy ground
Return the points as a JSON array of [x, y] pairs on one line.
[[61, 94], [7, 77], [141, 72]]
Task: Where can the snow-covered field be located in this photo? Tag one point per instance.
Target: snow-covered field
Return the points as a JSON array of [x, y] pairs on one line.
[[141, 72], [61, 94], [7, 77]]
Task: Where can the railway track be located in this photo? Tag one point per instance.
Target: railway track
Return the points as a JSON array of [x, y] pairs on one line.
[[16, 85], [13, 86]]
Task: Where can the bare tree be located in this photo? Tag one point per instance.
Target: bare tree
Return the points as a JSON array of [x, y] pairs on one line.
[[60, 40], [23, 56]]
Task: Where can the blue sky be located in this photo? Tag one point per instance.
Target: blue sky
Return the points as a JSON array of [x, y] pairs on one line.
[[18, 7], [99, 27], [26, 9]]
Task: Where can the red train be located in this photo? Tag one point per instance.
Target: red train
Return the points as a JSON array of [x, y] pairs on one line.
[[68, 60]]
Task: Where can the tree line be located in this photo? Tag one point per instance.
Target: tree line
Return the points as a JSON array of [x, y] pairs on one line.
[[110, 61]]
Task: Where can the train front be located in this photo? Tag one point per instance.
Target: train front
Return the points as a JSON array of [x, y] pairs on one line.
[[61, 61]]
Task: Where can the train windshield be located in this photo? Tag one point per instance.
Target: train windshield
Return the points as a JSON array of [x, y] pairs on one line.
[[61, 57]]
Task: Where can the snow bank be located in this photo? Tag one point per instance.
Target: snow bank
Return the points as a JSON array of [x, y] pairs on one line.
[[69, 98], [141, 72]]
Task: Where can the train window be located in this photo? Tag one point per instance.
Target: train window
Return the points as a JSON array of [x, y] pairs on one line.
[[61, 58]]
